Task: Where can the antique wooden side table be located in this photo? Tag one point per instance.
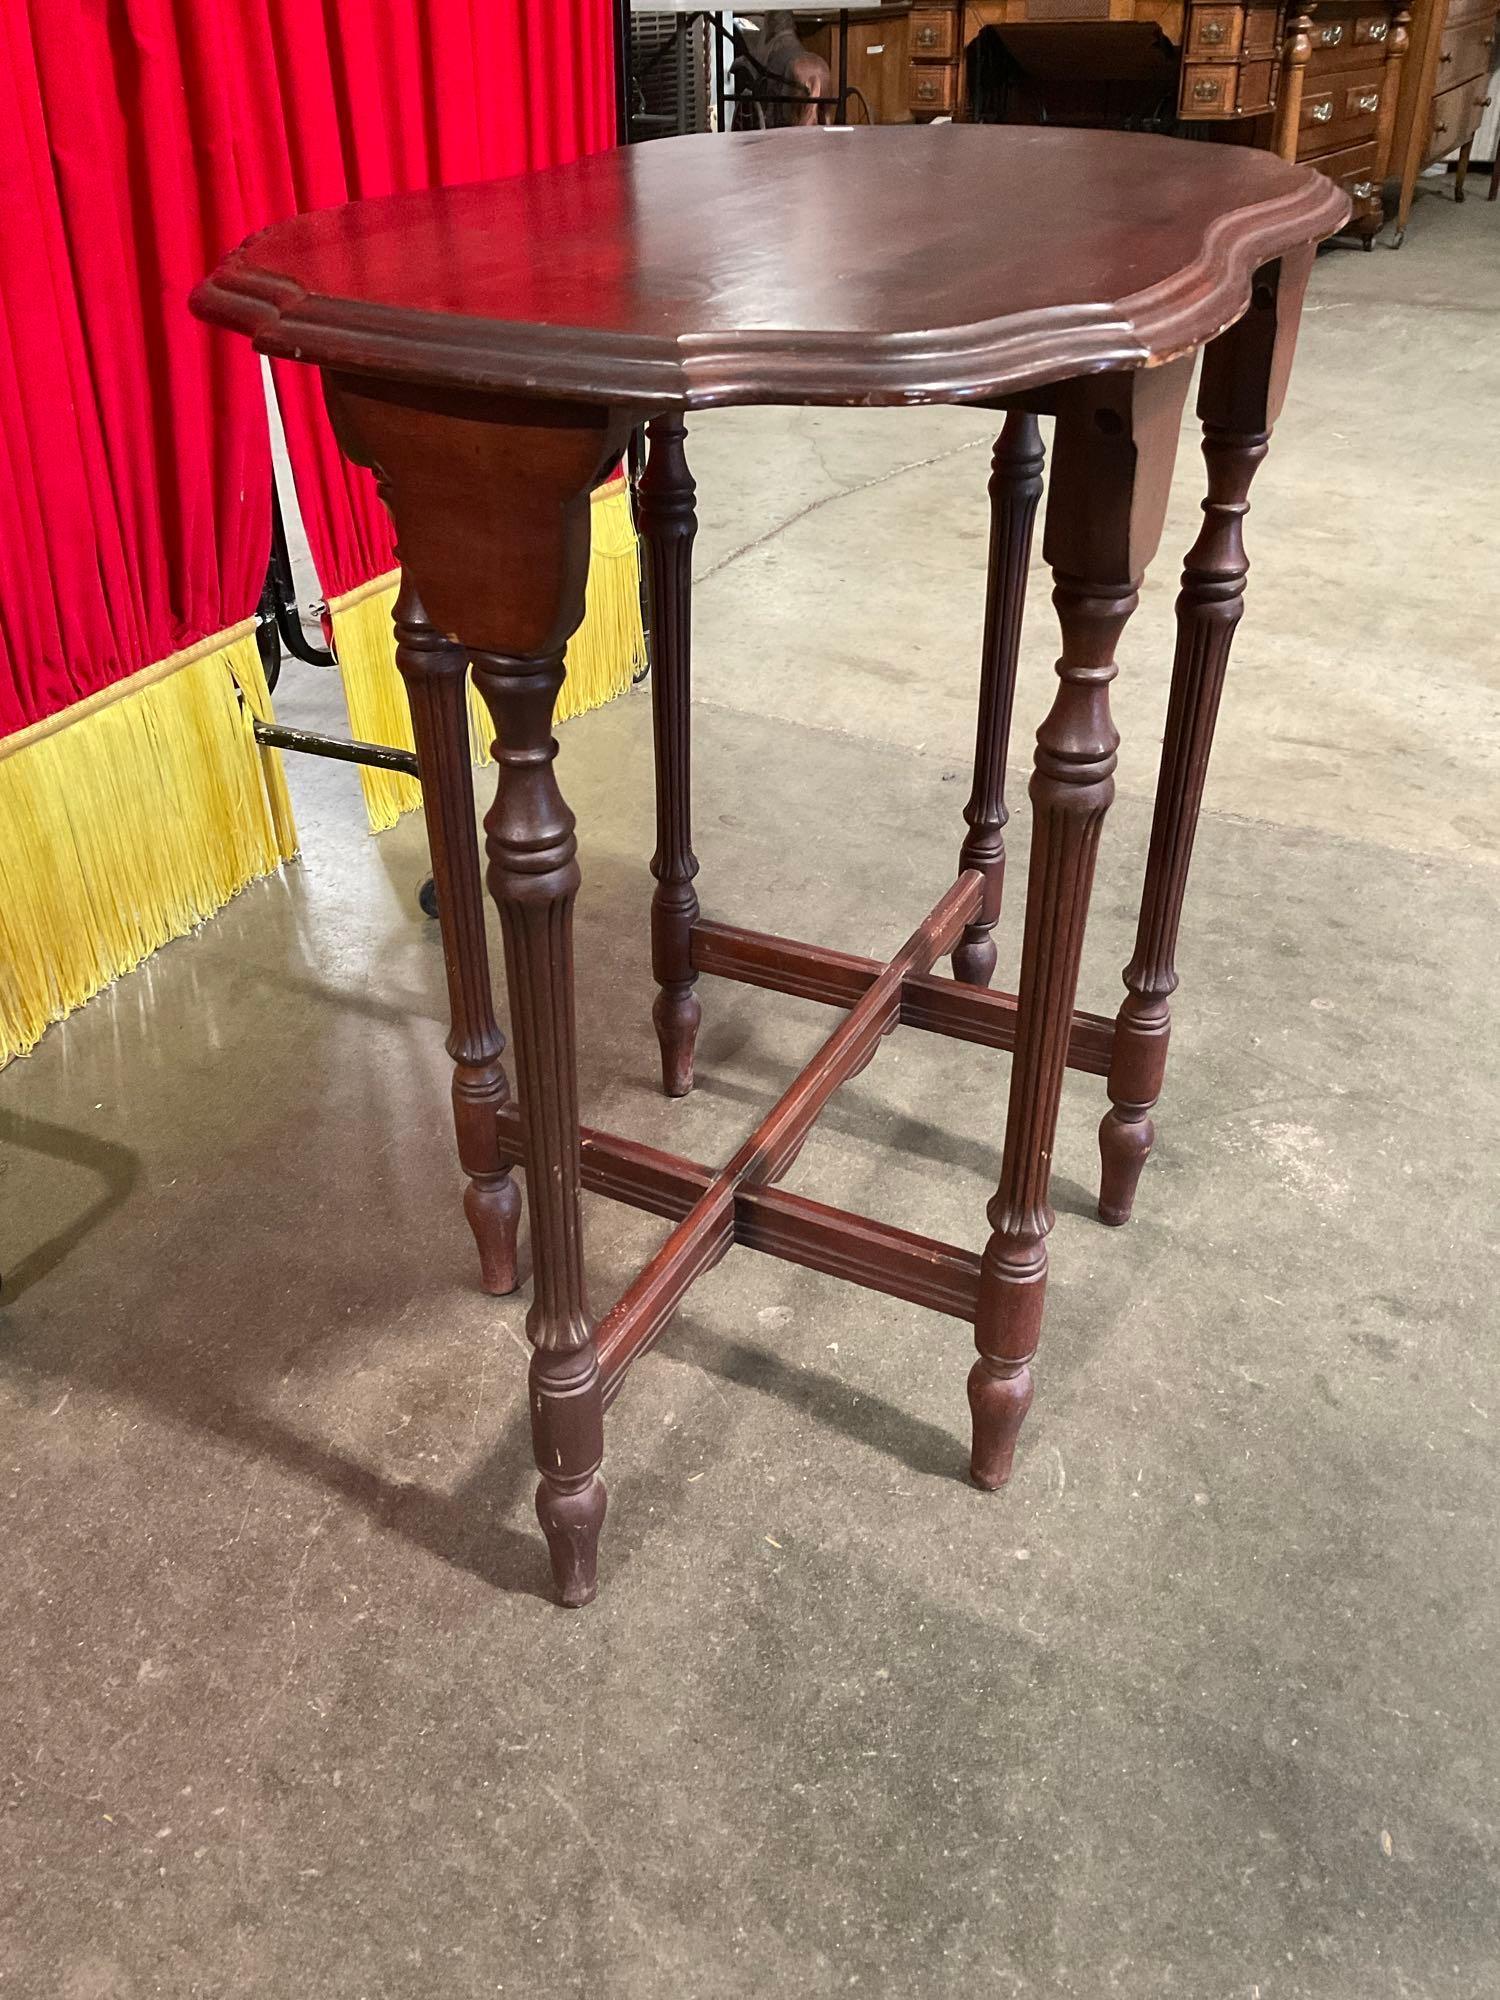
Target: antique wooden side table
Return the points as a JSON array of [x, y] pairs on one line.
[[487, 350]]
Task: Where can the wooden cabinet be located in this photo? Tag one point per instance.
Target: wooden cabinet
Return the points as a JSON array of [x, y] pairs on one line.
[[1229, 61], [1342, 66], [1230, 48], [1445, 91]]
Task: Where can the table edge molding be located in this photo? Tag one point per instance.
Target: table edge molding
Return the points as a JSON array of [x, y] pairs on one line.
[[967, 363]]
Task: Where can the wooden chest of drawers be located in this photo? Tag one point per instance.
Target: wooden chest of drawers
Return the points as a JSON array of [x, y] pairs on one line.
[[1445, 91], [1339, 101], [1230, 48], [1343, 62]]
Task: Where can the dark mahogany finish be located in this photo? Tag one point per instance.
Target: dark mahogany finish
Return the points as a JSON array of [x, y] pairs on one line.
[[436, 676], [1015, 489], [1111, 468], [668, 522], [1244, 380], [614, 279], [489, 349]]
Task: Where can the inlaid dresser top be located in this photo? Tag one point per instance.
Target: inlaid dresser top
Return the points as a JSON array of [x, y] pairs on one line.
[[883, 264]]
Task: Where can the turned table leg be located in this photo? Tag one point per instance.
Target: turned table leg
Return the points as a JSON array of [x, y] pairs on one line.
[[1112, 462], [533, 876], [1015, 489], [491, 501], [1238, 384], [436, 676], [668, 522]]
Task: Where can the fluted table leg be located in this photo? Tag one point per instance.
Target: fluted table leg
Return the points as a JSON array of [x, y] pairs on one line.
[[491, 502], [668, 522], [1238, 402], [1112, 461], [533, 876], [1015, 489], [436, 676]]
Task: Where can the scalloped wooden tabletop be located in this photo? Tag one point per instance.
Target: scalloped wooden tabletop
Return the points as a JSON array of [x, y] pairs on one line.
[[883, 264]]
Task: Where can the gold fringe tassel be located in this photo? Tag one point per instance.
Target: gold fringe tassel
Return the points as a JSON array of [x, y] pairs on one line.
[[126, 821], [604, 655]]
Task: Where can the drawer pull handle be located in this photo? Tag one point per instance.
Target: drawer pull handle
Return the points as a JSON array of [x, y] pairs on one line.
[[927, 90], [1368, 100], [1332, 36], [1207, 93], [1446, 56], [927, 38], [1212, 31], [1362, 190], [1378, 30], [1321, 113]]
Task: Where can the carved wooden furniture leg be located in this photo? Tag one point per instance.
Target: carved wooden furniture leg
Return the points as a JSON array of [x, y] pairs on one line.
[[1238, 401], [669, 521], [533, 876], [491, 501], [1112, 464], [1015, 489], [436, 676]]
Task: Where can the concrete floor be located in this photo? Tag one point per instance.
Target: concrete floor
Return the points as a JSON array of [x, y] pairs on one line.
[[1206, 1704]]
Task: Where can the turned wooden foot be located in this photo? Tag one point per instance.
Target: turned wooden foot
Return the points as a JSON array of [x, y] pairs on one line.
[[999, 1397], [567, 1428], [1015, 488], [492, 1208], [675, 1014]]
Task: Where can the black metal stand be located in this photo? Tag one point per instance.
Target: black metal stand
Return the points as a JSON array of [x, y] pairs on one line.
[[278, 626]]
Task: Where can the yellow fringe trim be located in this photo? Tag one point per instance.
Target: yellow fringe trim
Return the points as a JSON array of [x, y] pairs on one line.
[[604, 655], [127, 820]]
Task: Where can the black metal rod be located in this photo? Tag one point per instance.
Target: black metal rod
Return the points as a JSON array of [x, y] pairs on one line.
[[623, 91], [379, 755]]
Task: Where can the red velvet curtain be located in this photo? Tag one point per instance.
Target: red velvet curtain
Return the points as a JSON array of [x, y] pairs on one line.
[[140, 140], [134, 473], [366, 97]]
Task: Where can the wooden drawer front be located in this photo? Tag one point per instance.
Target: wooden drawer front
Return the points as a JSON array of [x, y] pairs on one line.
[[1360, 98], [1341, 112], [932, 87], [1336, 32], [1353, 167], [1227, 90], [1260, 37], [1465, 53], [1213, 33], [1346, 41], [1456, 115], [1469, 10], [933, 34], [1371, 30], [1209, 90], [1257, 88], [1351, 163]]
